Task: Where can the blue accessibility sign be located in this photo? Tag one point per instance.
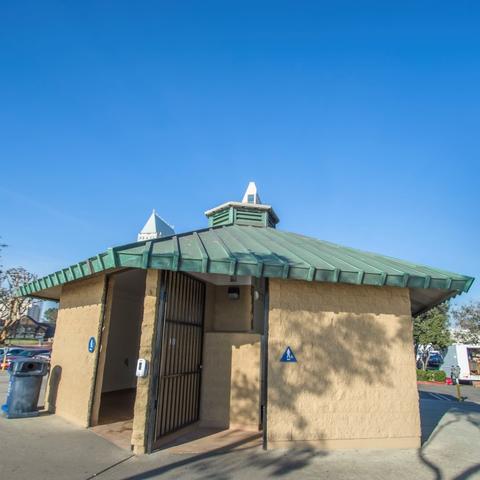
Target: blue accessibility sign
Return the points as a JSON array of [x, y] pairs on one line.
[[288, 356], [91, 344]]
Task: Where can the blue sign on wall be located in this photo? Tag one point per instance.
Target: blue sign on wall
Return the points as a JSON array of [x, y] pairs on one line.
[[91, 344], [288, 356]]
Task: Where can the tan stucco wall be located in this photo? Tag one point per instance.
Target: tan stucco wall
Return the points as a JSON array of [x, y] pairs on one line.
[[71, 381], [147, 338], [259, 305], [230, 380], [209, 312], [354, 383], [232, 315]]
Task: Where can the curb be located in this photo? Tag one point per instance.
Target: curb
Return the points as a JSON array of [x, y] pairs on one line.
[[424, 382]]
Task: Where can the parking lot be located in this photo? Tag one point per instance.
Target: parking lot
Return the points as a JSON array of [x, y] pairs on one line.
[[49, 448], [449, 392]]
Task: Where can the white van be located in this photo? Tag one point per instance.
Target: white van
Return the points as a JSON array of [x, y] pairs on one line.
[[467, 357]]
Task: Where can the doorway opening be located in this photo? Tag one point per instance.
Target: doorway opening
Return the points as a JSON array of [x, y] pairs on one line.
[[113, 408], [177, 397], [208, 395]]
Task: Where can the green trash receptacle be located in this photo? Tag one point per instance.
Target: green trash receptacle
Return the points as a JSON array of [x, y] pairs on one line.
[[24, 388]]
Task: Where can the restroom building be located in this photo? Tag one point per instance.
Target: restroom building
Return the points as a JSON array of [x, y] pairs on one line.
[[241, 325]]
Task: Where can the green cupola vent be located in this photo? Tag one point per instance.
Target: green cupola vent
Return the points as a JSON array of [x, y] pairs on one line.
[[250, 211]]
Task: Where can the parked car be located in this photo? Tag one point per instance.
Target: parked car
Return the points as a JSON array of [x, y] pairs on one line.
[[7, 353], [15, 351], [435, 360], [44, 356], [33, 353], [19, 353], [39, 354]]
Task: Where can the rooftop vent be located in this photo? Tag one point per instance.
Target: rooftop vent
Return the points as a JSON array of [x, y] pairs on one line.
[[250, 211]]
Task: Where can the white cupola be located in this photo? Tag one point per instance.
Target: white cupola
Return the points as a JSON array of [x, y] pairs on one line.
[[156, 227]]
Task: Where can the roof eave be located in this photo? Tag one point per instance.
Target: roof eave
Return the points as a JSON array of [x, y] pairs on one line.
[[254, 264]]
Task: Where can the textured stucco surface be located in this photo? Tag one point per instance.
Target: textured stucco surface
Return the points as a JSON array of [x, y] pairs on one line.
[[233, 315], [147, 338], [71, 382], [230, 394], [354, 382], [209, 313]]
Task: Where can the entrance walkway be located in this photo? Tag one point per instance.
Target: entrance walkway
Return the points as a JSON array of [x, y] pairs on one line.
[[119, 433], [206, 440], [115, 422]]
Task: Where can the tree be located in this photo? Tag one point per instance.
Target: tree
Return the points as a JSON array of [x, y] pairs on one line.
[[13, 307], [431, 331], [50, 315], [467, 323]]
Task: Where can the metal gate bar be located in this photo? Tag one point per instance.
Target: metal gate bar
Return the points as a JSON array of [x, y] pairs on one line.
[[178, 397]]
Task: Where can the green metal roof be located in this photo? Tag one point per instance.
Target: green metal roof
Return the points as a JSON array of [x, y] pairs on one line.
[[259, 252]]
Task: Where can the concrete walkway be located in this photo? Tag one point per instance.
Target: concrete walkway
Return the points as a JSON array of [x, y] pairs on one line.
[[451, 452], [48, 448]]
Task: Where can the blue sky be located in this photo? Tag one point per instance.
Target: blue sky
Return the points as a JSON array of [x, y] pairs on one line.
[[359, 121]]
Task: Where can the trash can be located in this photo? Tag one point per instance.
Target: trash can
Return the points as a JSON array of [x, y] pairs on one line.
[[24, 388]]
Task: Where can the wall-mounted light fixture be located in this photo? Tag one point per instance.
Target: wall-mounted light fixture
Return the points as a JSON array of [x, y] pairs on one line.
[[233, 293]]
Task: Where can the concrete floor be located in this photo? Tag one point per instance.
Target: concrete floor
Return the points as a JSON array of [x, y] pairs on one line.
[[115, 422], [119, 433], [47, 447], [205, 440], [117, 406]]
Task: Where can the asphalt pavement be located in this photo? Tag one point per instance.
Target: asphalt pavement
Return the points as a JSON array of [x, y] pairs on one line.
[[449, 392]]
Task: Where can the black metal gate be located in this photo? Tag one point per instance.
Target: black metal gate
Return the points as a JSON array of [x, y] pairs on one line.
[[178, 393]]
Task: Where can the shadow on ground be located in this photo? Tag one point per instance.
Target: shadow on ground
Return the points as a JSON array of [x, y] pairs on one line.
[[451, 433], [444, 429], [211, 464]]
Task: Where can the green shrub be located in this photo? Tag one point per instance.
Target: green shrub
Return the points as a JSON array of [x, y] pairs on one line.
[[438, 375], [431, 375], [421, 375]]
